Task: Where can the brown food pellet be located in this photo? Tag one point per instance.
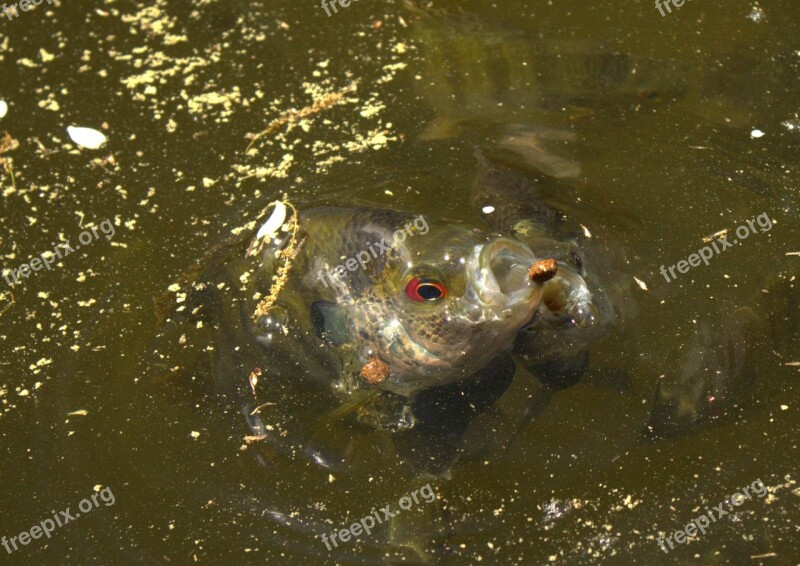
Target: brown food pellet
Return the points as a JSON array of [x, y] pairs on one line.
[[543, 270], [375, 371]]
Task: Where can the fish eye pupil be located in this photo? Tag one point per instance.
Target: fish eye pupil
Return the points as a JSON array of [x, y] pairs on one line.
[[429, 292], [425, 290]]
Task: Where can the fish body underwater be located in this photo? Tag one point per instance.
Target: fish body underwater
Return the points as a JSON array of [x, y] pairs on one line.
[[433, 301], [716, 376], [384, 301], [526, 91], [579, 306]]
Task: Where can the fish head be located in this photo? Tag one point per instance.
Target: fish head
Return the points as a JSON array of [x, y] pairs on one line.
[[439, 305]]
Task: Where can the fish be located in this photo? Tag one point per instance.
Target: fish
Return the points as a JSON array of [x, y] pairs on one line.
[[523, 90], [718, 376], [575, 310], [434, 301], [429, 300]]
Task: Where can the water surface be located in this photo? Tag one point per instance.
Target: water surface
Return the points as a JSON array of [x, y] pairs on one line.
[[180, 88]]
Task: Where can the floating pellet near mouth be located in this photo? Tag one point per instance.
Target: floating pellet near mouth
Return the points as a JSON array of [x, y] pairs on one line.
[[543, 270]]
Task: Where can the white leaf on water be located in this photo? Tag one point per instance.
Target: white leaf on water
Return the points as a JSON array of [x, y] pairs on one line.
[[86, 137], [755, 134], [641, 283], [274, 222], [487, 209], [3, 108]]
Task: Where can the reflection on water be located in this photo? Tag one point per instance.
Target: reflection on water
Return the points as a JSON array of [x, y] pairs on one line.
[[213, 110]]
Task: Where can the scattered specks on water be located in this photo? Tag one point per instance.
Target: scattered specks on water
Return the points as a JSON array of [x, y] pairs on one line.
[[756, 14], [194, 94]]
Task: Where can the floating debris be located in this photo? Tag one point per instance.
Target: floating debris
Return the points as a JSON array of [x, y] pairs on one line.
[[3, 108], [257, 409], [274, 222], [543, 270], [287, 254], [86, 137], [641, 283], [7, 143], [716, 236], [586, 232], [81, 413], [792, 124], [756, 134], [375, 371], [10, 303], [488, 209], [254, 375], [254, 438], [756, 14], [294, 116]]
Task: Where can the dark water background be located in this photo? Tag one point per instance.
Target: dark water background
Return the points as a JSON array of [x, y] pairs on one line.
[[180, 86]]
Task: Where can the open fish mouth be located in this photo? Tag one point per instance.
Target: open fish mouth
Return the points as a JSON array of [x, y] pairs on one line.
[[499, 277]]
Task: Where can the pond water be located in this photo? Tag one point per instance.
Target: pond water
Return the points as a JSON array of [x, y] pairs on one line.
[[666, 129]]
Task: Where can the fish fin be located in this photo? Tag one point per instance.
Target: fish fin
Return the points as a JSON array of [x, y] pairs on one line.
[[330, 322], [337, 414], [536, 155]]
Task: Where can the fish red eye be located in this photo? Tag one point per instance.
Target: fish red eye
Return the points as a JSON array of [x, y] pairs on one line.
[[423, 289]]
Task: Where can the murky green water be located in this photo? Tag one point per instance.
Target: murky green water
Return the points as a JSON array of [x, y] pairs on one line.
[[665, 116]]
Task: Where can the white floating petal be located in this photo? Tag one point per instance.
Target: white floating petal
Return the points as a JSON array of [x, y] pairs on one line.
[[641, 283], [3, 108], [274, 222], [488, 209], [756, 134], [86, 137]]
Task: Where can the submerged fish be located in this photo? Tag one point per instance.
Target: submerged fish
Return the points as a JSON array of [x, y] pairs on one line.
[[716, 377], [433, 301], [576, 309], [421, 301], [523, 90]]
